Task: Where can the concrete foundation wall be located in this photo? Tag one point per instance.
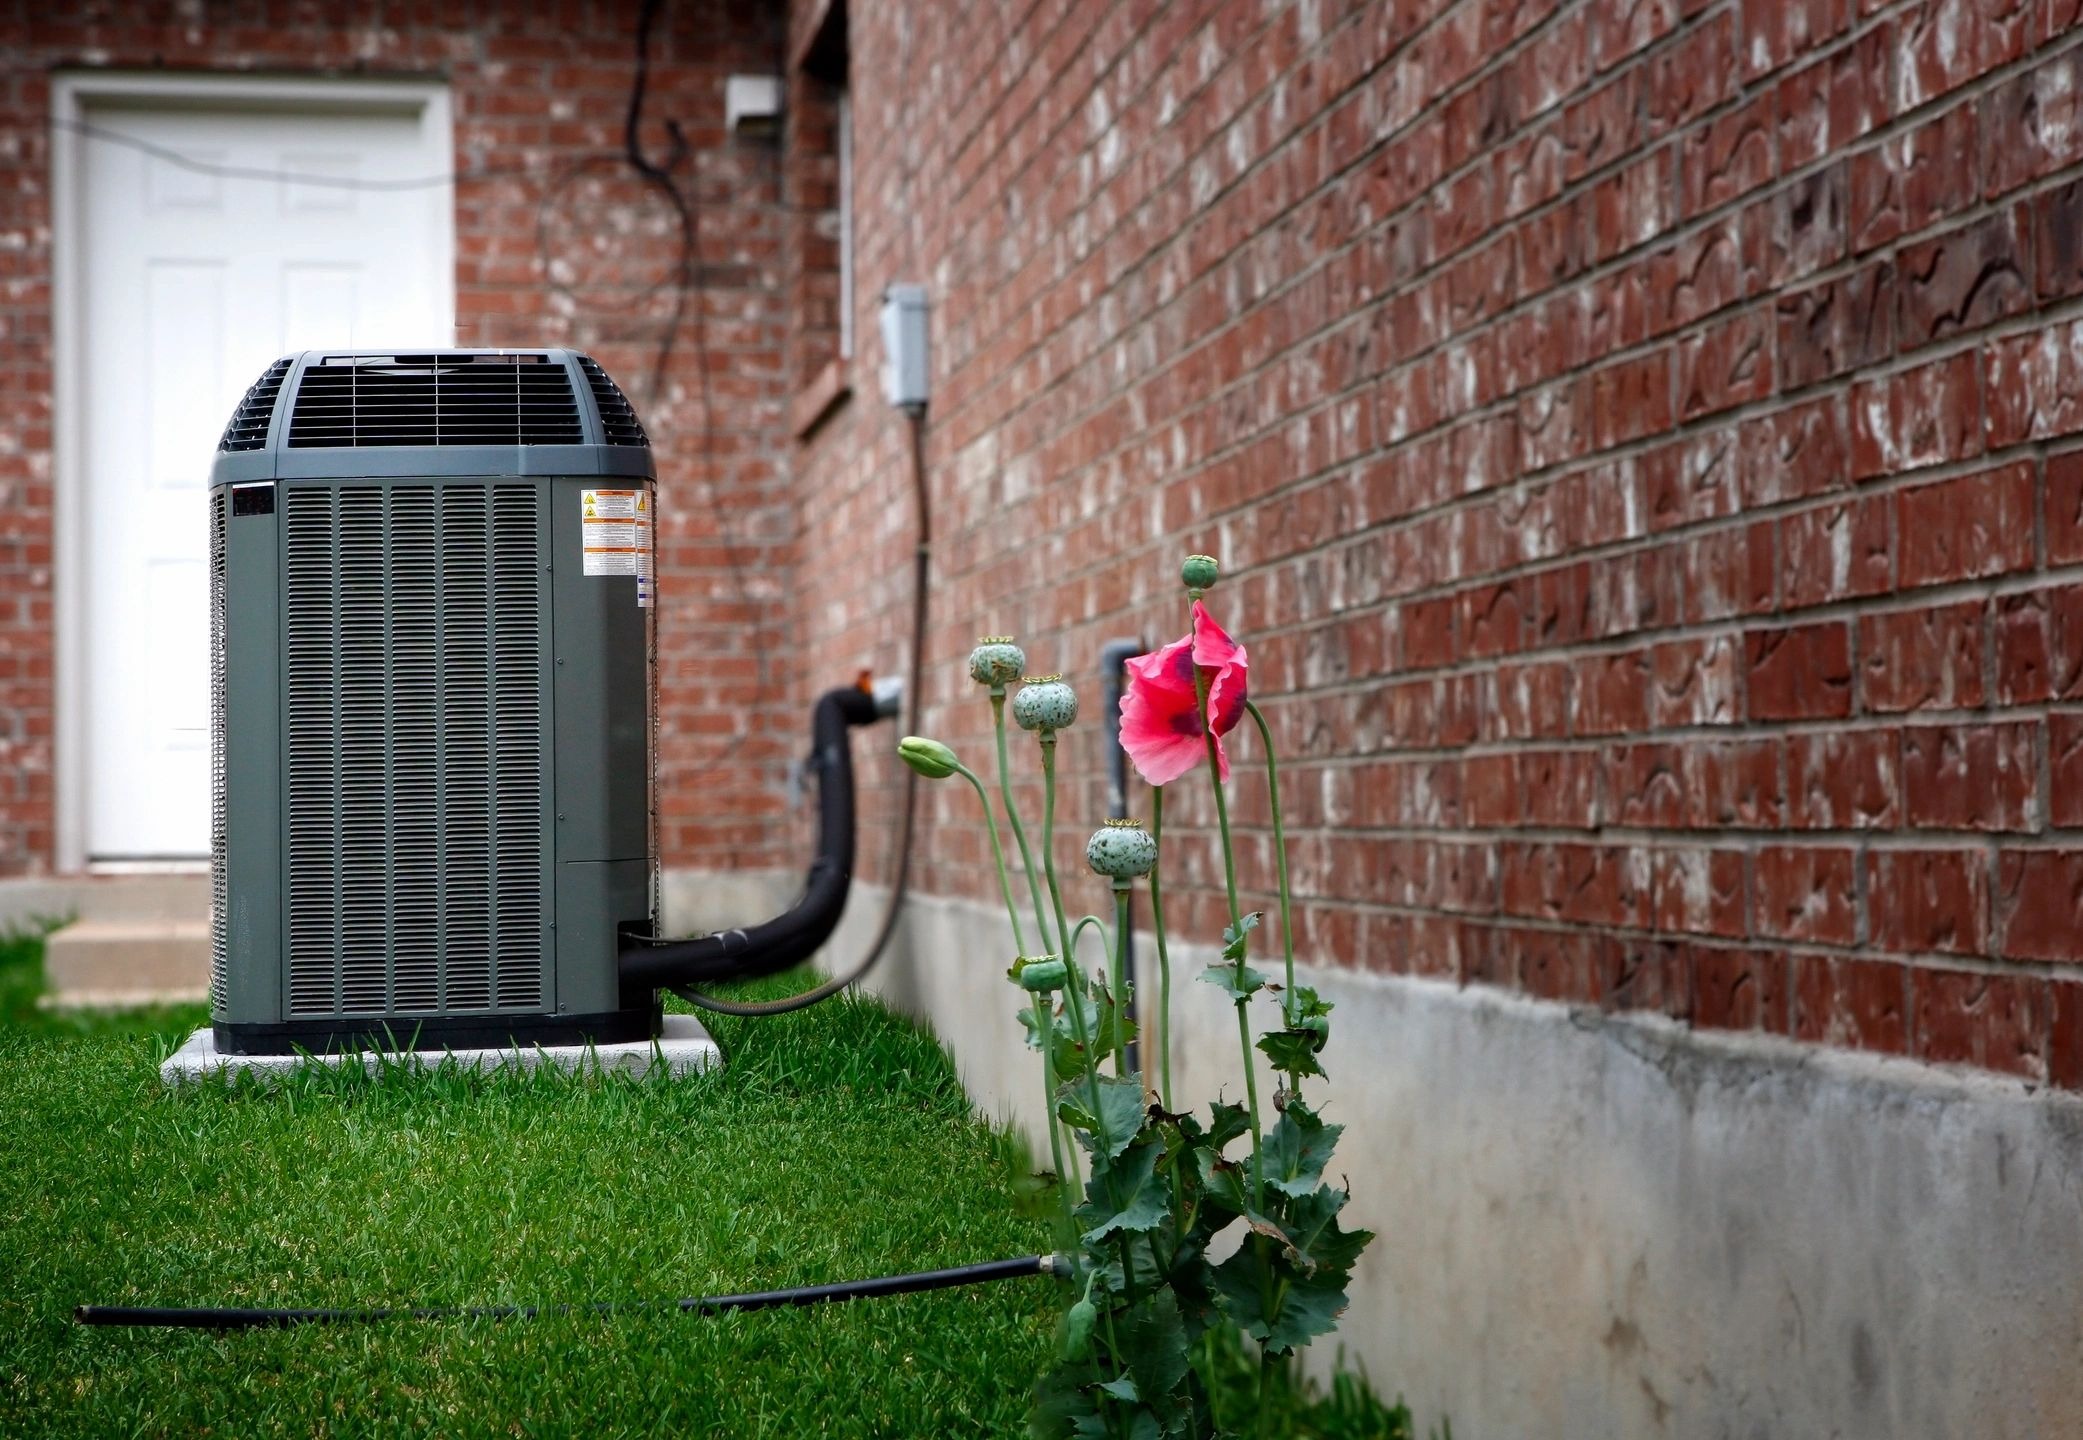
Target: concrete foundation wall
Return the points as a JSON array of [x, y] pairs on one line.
[[1611, 1226]]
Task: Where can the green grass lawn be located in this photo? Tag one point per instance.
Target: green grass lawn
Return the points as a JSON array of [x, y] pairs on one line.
[[836, 1143]]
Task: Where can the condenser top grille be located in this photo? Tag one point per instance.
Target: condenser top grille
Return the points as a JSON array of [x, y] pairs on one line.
[[457, 398], [248, 429], [618, 422]]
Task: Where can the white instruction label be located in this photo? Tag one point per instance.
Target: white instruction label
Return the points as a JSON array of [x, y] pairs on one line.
[[616, 525]]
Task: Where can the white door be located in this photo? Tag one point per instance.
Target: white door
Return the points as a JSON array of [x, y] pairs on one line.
[[194, 277]]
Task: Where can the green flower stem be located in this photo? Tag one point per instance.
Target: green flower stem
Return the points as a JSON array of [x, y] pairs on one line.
[[1287, 914], [1164, 961], [1012, 818], [1048, 846], [1078, 994], [1045, 1013], [1077, 932], [1122, 978], [1280, 851], [1229, 876], [1005, 884]]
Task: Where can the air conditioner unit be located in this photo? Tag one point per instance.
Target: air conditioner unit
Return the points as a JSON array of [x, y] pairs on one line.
[[430, 703]]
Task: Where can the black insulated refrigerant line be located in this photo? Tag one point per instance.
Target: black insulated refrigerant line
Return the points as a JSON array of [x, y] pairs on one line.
[[233, 1318], [794, 935]]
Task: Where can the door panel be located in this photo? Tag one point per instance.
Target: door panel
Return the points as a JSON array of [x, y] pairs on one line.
[[193, 280]]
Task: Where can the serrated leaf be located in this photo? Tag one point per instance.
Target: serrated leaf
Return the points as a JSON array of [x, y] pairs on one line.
[[1236, 937], [1223, 1183], [1312, 1229], [1307, 1305], [1124, 1196], [1063, 1403], [1303, 1003], [1291, 1052], [1228, 1122], [1298, 1149], [1121, 1388], [1152, 1338], [1239, 982], [1120, 1115], [1144, 1426]]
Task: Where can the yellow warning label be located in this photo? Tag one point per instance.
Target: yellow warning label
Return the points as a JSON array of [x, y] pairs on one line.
[[616, 526]]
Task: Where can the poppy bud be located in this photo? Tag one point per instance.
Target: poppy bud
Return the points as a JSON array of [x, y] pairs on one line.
[[929, 757], [1199, 573], [1044, 972], [1121, 850], [1044, 704], [996, 661], [1078, 1324]]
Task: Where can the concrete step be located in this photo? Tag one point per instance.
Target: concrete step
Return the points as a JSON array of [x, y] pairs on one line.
[[127, 962]]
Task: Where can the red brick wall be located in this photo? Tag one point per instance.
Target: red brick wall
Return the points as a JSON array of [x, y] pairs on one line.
[[539, 89], [1642, 439]]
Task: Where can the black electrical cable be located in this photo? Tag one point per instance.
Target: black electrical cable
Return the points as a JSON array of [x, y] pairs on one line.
[[922, 565], [185, 1317]]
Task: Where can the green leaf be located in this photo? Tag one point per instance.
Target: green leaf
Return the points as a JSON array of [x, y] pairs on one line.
[[1223, 1182], [1233, 936], [1124, 1195], [1123, 1388], [1312, 1229], [1292, 1052], [1239, 982], [1229, 1122], [1121, 1110], [1311, 1275], [1064, 1405], [1305, 1004], [1298, 1149], [1308, 1305], [1152, 1338]]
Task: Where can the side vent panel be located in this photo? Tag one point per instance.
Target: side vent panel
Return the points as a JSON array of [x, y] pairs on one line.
[[416, 673], [248, 429], [220, 918], [618, 422], [435, 400]]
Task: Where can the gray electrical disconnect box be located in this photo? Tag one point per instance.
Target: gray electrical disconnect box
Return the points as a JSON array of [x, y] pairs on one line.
[[906, 381], [429, 586]]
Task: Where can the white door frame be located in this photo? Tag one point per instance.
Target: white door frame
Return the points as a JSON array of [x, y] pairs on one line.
[[73, 94]]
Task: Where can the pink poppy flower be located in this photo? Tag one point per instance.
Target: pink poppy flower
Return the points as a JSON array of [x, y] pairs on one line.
[[1160, 718]]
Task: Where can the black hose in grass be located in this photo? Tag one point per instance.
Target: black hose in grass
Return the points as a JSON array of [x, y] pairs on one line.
[[182, 1317]]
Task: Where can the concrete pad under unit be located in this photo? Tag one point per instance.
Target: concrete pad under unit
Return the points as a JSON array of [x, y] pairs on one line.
[[682, 1048]]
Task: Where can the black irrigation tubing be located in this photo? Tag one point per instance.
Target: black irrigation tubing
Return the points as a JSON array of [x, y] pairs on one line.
[[232, 1318]]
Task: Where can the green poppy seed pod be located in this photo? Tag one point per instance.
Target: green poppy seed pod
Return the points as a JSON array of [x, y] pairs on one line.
[[929, 758], [996, 661], [1121, 850], [1045, 704], [1199, 573], [1078, 1324], [1043, 973]]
